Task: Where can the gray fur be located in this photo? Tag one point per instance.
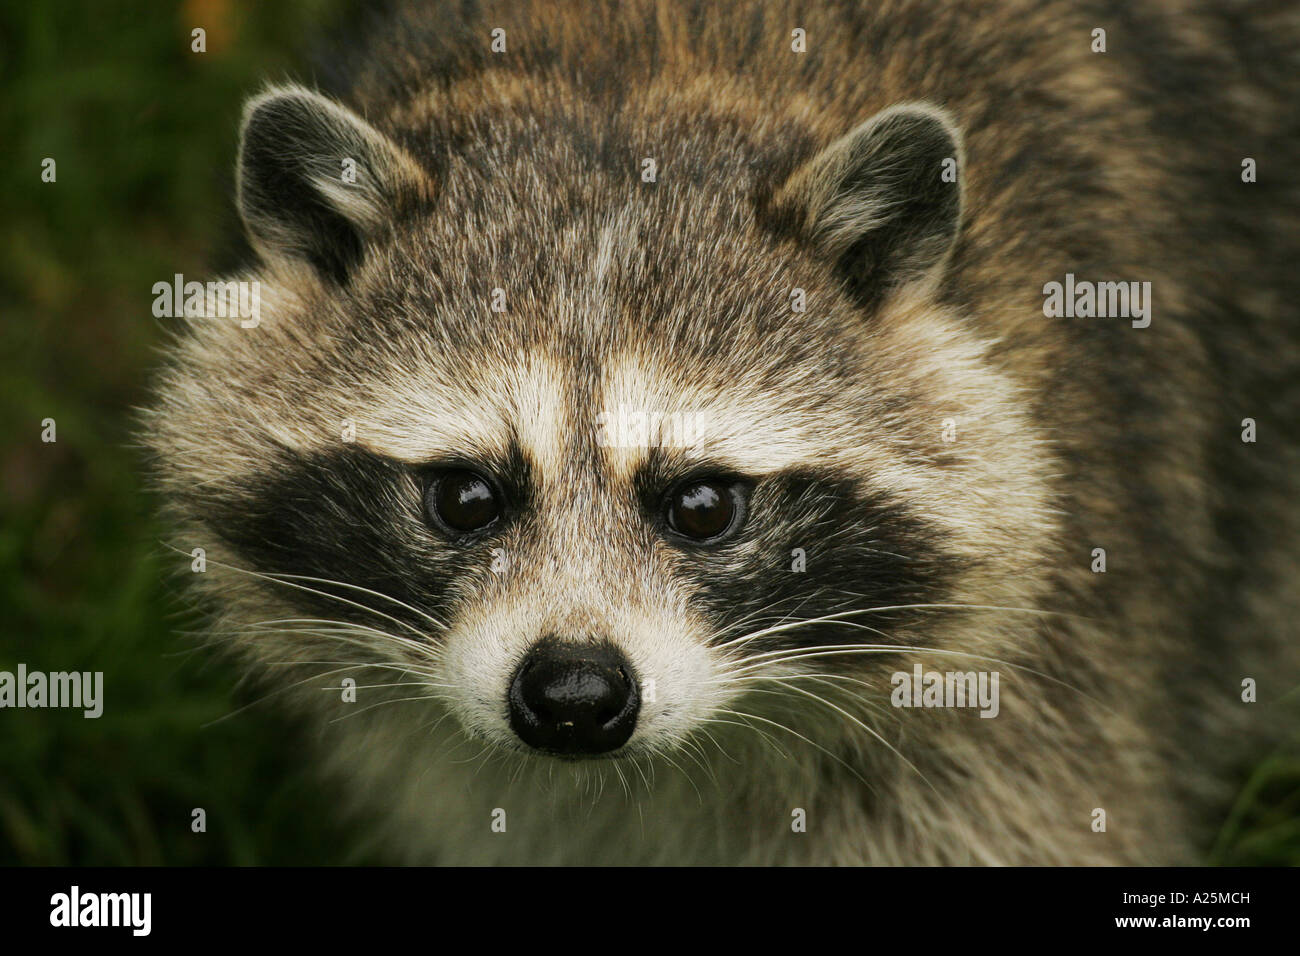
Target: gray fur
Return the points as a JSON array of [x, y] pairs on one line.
[[297, 448]]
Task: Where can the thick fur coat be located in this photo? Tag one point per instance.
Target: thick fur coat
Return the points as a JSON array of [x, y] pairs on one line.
[[832, 247]]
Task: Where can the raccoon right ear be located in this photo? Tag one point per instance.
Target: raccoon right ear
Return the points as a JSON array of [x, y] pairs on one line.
[[315, 181], [885, 200]]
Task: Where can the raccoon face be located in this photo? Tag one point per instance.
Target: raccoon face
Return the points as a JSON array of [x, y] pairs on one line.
[[601, 463]]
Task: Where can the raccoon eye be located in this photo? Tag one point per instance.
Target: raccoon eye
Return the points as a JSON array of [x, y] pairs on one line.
[[462, 501], [704, 510]]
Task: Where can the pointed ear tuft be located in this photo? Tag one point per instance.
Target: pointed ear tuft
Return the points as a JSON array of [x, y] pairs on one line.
[[885, 200], [316, 182]]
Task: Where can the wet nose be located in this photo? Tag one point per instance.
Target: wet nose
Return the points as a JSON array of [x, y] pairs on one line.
[[574, 699]]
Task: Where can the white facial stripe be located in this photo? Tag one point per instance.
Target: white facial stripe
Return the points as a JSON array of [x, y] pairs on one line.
[[418, 422], [540, 413], [643, 407]]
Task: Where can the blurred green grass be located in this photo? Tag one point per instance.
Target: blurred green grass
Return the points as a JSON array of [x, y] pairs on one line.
[[143, 133]]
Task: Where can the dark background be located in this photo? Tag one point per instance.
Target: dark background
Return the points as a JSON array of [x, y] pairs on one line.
[[144, 132]]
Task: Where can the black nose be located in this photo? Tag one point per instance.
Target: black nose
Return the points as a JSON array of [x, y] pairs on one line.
[[575, 699]]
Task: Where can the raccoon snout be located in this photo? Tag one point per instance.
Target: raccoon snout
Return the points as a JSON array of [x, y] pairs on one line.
[[574, 699]]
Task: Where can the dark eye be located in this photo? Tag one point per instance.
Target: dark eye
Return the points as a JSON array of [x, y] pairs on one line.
[[704, 509], [462, 501]]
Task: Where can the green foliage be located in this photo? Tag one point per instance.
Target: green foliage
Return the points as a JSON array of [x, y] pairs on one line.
[[143, 132]]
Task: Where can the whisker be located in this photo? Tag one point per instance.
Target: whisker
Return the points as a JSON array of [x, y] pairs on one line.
[[356, 587], [682, 770], [873, 733], [838, 616], [764, 735], [431, 652], [394, 700], [714, 740], [288, 687], [831, 650], [743, 678], [289, 584], [780, 726], [407, 683]]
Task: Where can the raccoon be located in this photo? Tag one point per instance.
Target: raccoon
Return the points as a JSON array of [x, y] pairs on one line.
[[648, 397]]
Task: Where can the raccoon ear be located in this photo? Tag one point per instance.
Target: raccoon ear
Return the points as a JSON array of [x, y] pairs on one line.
[[885, 200], [315, 181]]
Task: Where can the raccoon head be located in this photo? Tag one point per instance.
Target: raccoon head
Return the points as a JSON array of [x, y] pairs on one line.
[[599, 460]]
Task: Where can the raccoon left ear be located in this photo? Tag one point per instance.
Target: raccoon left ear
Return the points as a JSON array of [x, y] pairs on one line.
[[885, 200], [316, 182]]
